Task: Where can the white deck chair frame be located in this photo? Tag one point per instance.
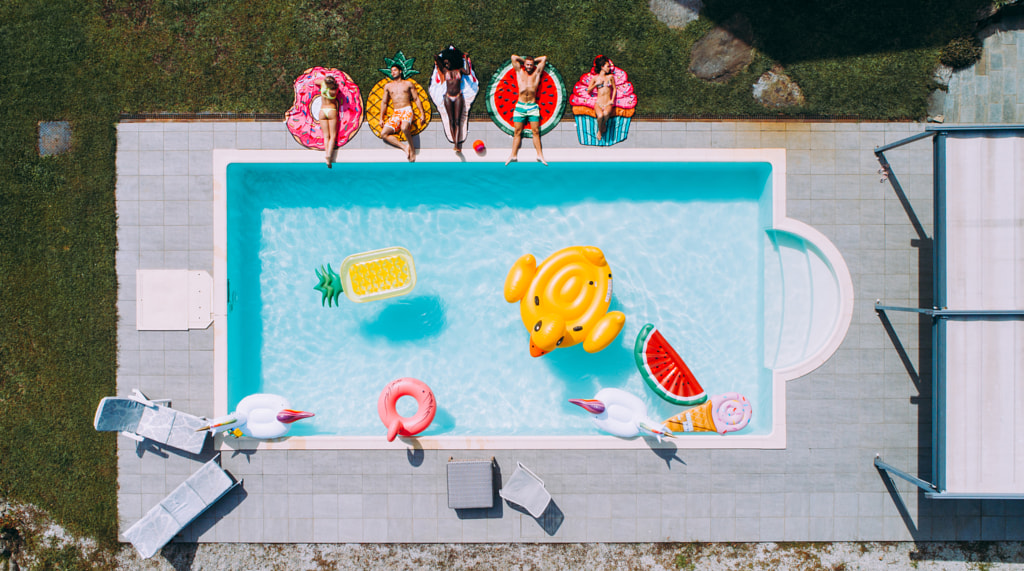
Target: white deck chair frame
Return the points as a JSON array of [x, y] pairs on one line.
[[526, 489]]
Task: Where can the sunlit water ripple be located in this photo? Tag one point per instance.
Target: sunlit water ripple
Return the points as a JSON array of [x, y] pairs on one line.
[[684, 241]]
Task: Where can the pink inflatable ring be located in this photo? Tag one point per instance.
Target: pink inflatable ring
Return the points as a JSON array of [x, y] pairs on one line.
[[417, 423], [303, 118]]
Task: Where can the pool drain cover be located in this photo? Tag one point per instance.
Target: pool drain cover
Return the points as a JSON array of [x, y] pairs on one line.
[[54, 137]]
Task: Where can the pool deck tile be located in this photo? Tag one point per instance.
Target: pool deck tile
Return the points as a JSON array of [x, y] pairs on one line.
[[822, 487]]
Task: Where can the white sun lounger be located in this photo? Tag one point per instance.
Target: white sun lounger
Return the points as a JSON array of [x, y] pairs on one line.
[[139, 418], [190, 499], [525, 489]]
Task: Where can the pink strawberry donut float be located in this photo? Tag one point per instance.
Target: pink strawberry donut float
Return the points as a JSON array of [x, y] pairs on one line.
[[303, 118]]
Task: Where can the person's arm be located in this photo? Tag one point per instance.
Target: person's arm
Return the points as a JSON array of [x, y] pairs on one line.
[[592, 84], [540, 63], [467, 65], [612, 85], [517, 62], [384, 105]]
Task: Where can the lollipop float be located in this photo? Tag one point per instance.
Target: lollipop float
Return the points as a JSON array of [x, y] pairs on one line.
[[724, 413]]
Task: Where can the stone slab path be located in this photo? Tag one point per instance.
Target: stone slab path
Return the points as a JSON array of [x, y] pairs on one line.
[[992, 90]]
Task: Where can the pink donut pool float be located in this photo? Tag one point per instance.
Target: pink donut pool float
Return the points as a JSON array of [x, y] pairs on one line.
[[302, 118]]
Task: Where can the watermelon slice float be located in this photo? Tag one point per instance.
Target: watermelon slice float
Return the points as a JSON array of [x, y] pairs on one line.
[[503, 92], [664, 370]]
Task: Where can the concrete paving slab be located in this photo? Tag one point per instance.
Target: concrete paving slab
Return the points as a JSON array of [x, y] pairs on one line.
[[821, 488]]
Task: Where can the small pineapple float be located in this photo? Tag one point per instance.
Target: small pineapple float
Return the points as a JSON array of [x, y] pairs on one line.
[[371, 276]]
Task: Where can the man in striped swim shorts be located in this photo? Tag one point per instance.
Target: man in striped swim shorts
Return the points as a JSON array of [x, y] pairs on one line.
[[528, 72]]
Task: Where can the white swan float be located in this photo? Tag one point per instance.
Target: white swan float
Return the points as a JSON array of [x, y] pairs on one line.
[[622, 414], [262, 416]]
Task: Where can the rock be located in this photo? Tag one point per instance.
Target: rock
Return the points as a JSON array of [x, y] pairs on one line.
[[724, 52], [942, 75], [936, 106], [776, 90], [985, 12], [676, 13]]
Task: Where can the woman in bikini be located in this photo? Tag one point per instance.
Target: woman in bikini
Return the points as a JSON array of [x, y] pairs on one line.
[[454, 102], [603, 80], [329, 112]]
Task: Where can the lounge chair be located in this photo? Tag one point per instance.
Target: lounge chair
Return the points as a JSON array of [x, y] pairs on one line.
[[470, 484], [525, 489], [139, 418], [190, 499]]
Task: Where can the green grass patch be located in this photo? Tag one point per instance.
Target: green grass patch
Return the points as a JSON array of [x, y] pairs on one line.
[[86, 61], [869, 58], [57, 280]]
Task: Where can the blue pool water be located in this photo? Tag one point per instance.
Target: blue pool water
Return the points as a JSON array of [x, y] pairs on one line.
[[685, 242]]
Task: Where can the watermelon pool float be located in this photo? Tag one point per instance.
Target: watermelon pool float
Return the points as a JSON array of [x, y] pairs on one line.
[[503, 92], [664, 370]]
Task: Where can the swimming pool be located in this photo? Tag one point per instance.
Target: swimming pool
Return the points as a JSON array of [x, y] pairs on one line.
[[687, 241]]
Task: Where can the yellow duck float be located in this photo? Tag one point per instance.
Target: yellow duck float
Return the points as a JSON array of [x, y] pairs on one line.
[[565, 300]]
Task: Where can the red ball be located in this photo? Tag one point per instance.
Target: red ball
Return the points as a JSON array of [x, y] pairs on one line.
[[478, 146]]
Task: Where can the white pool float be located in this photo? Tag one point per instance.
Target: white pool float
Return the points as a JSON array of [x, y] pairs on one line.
[[261, 415], [622, 414]]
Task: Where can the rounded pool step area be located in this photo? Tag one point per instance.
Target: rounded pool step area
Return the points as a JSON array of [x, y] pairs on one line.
[[803, 307]]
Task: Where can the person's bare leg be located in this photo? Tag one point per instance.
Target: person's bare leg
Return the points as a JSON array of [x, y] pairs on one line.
[[449, 108], [335, 124], [535, 127], [410, 153], [388, 134], [325, 129], [517, 140], [331, 144], [457, 107], [602, 118]]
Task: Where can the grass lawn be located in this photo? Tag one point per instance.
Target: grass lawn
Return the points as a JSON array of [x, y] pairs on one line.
[[57, 281], [86, 61]]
